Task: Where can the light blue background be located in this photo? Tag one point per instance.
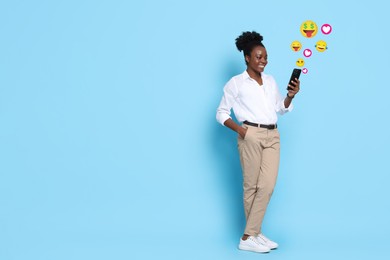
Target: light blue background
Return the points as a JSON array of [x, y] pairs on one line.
[[109, 147]]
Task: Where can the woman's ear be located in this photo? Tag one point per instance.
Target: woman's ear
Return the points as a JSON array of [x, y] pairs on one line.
[[247, 58]]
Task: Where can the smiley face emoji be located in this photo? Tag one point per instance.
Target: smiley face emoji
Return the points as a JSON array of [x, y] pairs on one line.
[[296, 46], [309, 29], [321, 46], [300, 62]]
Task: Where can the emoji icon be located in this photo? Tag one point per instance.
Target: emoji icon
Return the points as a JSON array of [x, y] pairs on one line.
[[300, 62], [309, 29], [307, 53], [326, 28], [296, 46], [321, 46], [304, 70]]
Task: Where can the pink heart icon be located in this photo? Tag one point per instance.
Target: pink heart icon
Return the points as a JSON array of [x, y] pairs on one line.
[[307, 53], [304, 70], [326, 28]]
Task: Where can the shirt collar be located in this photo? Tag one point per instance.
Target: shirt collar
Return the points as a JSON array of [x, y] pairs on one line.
[[245, 75]]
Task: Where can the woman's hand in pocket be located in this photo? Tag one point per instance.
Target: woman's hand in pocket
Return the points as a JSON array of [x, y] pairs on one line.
[[242, 132]]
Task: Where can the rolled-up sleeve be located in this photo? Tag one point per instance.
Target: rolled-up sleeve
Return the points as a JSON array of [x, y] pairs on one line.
[[227, 102], [280, 108]]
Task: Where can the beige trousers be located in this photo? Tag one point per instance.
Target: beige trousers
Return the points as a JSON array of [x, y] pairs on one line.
[[259, 156]]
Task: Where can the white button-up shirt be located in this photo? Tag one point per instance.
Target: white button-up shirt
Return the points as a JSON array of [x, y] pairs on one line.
[[250, 101]]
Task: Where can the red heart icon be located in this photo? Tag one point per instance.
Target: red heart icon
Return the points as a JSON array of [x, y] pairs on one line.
[[307, 53], [326, 28]]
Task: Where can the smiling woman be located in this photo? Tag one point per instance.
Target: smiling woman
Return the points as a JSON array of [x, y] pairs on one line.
[[255, 99]]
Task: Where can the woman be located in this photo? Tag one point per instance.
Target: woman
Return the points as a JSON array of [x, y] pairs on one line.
[[255, 100]]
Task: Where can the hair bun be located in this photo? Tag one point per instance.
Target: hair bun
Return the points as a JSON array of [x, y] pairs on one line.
[[246, 38]]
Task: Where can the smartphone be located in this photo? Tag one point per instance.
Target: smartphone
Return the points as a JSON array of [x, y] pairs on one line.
[[295, 74]]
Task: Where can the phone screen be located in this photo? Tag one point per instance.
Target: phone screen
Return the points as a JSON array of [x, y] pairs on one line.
[[295, 74]]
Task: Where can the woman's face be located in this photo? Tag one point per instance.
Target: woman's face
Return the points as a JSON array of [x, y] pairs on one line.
[[257, 60]]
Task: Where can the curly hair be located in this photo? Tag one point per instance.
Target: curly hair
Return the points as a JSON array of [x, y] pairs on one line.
[[247, 41]]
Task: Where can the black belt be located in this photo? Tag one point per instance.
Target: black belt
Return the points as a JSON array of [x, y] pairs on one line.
[[270, 127]]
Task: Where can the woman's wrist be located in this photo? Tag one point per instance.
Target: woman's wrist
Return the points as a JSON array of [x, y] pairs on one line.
[[289, 96]]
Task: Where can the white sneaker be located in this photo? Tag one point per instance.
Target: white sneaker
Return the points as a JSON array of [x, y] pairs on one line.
[[252, 244], [263, 240]]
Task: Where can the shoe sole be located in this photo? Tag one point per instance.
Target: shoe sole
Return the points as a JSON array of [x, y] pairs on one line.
[[273, 248], [247, 248]]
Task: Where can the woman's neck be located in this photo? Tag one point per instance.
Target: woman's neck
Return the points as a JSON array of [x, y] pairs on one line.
[[255, 75]]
